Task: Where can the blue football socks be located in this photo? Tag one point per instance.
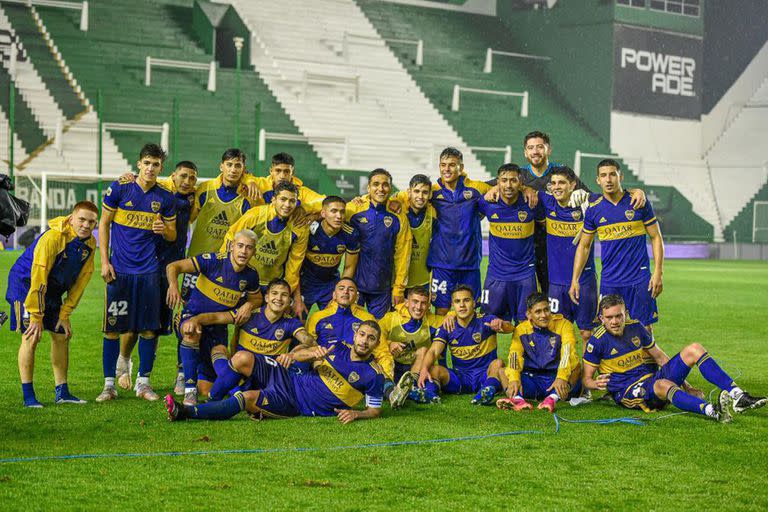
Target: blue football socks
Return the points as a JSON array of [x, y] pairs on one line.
[[711, 371], [147, 351], [217, 410], [109, 354]]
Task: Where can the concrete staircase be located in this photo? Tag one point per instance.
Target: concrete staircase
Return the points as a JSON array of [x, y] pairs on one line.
[[345, 89]]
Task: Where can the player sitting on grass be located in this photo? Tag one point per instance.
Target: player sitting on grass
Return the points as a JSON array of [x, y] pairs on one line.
[[222, 281], [341, 378], [543, 364], [472, 344], [60, 261], [408, 332], [639, 375], [269, 331], [338, 322]]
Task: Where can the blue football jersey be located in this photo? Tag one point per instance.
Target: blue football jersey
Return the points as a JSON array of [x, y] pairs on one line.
[[219, 287]]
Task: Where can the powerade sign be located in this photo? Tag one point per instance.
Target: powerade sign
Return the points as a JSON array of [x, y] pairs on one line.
[[656, 73]]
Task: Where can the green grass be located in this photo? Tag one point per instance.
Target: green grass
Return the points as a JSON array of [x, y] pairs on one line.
[[678, 460]]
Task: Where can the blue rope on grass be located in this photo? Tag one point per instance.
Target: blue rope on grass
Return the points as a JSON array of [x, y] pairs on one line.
[[267, 450], [255, 451]]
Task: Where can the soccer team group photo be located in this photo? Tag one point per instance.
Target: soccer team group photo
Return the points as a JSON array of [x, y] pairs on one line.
[[383, 255]]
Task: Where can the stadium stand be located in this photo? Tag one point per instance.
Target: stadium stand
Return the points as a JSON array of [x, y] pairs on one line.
[[735, 147], [330, 70], [455, 45], [161, 29]]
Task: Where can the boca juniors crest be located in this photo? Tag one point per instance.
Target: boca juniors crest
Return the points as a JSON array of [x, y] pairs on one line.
[[467, 195], [636, 341], [279, 333], [522, 216], [388, 221], [242, 284], [340, 248], [629, 214], [576, 215], [476, 337], [155, 206], [353, 377]]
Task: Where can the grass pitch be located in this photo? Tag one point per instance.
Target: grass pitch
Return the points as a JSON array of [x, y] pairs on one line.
[[675, 462]]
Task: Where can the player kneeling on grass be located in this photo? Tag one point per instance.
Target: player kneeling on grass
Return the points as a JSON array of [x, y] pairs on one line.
[[59, 261], [543, 364], [408, 331], [224, 281], [341, 378], [639, 375], [268, 331], [472, 344]]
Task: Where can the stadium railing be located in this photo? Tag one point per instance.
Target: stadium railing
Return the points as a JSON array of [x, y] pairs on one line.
[[455, 102], [759, 222], [180, 64], [264, 136], [490, 52], [314, 78], [581, 154], [350, 38]]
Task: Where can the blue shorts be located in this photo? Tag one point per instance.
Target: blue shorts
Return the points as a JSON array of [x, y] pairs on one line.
[[506, 299], [212, 336], [675, 370], [640, 305], [444, 281], [378, 304], [277, 397], [20, 316], [464, 382], [535, 385], [583, 314], [317, 294], [134, 303]]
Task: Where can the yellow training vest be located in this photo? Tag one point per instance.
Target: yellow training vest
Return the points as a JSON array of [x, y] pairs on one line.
[[272, 248], [412, 340], [418, 273], [214, 219]]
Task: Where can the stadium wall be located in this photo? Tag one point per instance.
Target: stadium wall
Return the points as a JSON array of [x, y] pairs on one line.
[[744, 29], [582, 68]]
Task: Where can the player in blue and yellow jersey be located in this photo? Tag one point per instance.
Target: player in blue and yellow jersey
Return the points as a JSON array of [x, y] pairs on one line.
[[421, 217], [639, 375], [342, 378], [330, 240], [282, 239], [472, 345], [543, 364], [281, 170], [621, 230], [135, 215], [511, 276], [220, 202], [408, 332], [563, 225], [225, 281], [385, 246], [59, 262], [338, 322], [182, 185], [456, 247], [536, 174]]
